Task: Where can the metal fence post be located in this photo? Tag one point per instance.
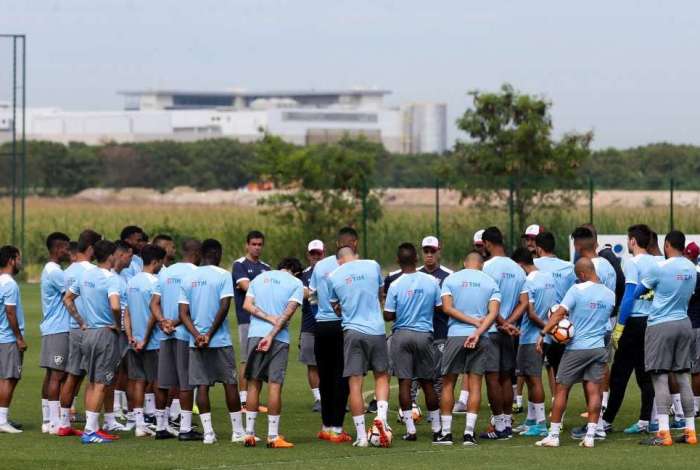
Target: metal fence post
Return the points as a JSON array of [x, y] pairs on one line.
[[437, 208]]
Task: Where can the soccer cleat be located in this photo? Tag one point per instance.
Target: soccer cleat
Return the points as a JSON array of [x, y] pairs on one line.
[[382, 427], [77, 417], [106, 435], [324, 435], [144, 431], [164, 434], [171, 430], [399, 416], [174, 422], [525, 426], [677, 423], [45, 427], [509, 431], [459, 407], [129, 425], [581, 431], [119, 415], [468, 440], [9, 428], [115, 427], [278, 443], [149, 419], [190, 436], [250, 440], [195, 408], [636, 429], [654, 426], [538, 430], [67, 431], [339, 437], [361, 443], [549, 441], [209, 438], [688, 437], [587, 442], [441, 440], [372, 407], [409, 437], [316, 408], [94, 438], [494, 435], [660, 439]]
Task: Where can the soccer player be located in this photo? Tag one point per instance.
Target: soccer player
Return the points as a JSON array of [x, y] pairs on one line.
[[136, 238], [471, 299], [478, 243], [528, 238], [628, 335], [165, 242], [410, 304], [669, 336], [12, 344], [173, 358], [588, 306], [500, 352], [73, 251], [692, 252], [542, 295], [142, 356], [100, 289], [120, 401], [71, 386], [314, 254], [328, 345], [271, 299], [564, 277], [54, 330], [205, 300], [355, 290], [244, 270]]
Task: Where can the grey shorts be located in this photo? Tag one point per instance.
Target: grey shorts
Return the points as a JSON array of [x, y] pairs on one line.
[[123, 345], [500, 353], [582, 365], [669, 346], [306, 349], [10, 361], [101, 355], [456, 359], [142, 365], [243, 340], [438, 350], [174, 364], [54, 351], [529, 361], [696, 356], [211, 365], [270, 366], [75, 355], [412, 355], [364, 352]]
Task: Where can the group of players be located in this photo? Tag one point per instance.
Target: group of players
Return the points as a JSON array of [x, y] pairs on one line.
[[150, 336]]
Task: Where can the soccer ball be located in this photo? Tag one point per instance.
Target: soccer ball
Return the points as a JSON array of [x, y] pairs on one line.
[[373, 436], [551, 310], [563, 332]]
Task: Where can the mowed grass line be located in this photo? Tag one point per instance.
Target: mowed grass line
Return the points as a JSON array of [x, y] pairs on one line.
[[32, 449]]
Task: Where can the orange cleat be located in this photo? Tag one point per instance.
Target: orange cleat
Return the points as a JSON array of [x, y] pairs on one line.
[[105, 435], [249, 441], [688, 437], [324, 435], [279, 443], [68, 431], [340, 437]]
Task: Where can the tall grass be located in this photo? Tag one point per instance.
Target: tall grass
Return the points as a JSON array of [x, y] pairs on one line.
[[230, 225]]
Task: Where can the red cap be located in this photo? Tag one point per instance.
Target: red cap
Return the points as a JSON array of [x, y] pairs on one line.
[[692, 250]]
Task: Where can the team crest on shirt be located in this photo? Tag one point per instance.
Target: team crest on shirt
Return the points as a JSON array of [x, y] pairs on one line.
[[109, 376], [58, 360]]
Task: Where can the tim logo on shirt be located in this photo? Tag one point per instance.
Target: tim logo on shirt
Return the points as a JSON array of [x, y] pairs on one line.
[[173, 280], [414, 292], [354, 278], [471, 284], [199, 283], [507, 276], [269, 280], [683, 277], [597, 305]]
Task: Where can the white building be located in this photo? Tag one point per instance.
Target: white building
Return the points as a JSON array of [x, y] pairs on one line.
[[300, 117]]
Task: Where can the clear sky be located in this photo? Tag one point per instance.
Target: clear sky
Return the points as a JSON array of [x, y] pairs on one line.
[[628, 70]]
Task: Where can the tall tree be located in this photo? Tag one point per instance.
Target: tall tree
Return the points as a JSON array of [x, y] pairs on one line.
[[511, 153]]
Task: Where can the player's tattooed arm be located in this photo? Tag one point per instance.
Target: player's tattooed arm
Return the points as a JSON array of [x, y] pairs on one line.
[[250, 307], [69, 302], [284, 318]]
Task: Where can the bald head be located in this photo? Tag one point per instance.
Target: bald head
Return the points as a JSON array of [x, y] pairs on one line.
[[345, 254], [474, 260], [585, 270]]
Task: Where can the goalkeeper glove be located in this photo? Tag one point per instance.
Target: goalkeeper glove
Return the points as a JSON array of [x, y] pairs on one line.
[[617, 334]]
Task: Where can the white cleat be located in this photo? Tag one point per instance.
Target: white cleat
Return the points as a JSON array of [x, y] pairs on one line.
[[115, 427], [10, 429], [209, 438], [361, 443], [53, 430], [143, 431], [238, 438], [549, 441], [45, 427], [130, 425], [588, 442], [172, 431]]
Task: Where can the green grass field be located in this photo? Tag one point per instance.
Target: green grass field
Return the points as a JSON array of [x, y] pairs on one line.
[[32, 449]]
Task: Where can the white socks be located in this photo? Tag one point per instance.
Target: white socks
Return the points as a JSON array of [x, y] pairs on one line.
[[464, 396], [590, 430], [539, 412], [205, 418], [555, 429], [446, 422], [149, 404], [161, 420], [138, 416], [434, 420], [500, 423], [530, 411], [45, 418], [519, 400], [359, 422], [65, 417], [471, 423], [174, 409], [316, 393], [273, 426], [604, 402], [55, 414], [237, 422], [110, 420], [663, 423], [250, 422], [3, 415], [92, 421], [185, 421], [382, 409], [408, 421], [243, 396]]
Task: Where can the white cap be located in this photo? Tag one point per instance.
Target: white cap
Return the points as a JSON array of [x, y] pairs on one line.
[[315, 245], [477, 237], [430, 241], [533, 230]]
